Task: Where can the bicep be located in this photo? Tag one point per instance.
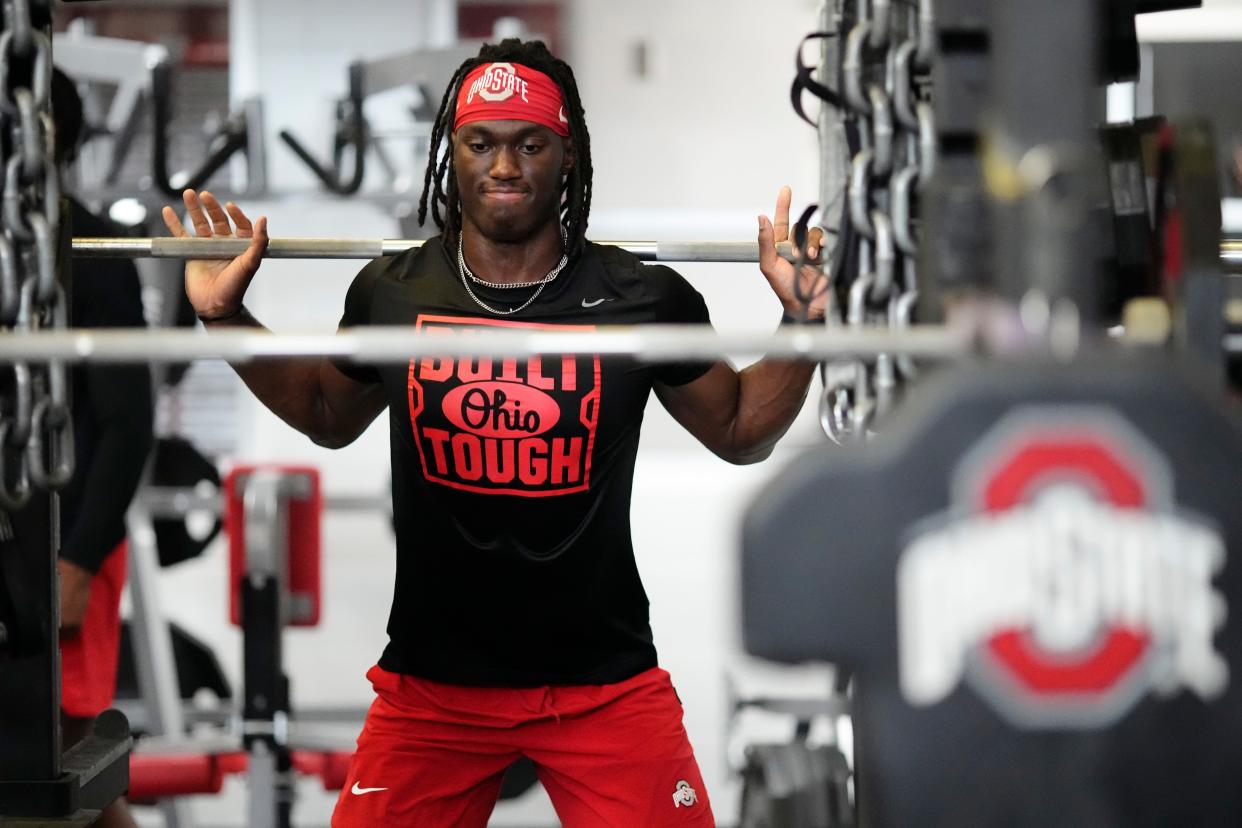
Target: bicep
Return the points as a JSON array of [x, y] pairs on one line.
[[707, 406]]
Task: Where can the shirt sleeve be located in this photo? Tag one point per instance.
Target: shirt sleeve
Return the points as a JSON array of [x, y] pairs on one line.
[[118, 401], [678, 303], [357, 313]]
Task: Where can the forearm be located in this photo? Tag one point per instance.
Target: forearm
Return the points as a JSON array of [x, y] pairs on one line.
[[291, 388], [770, 394]]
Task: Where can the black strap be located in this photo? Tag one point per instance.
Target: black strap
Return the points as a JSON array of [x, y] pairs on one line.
[[800, 230], [800, 238], [804, 82]]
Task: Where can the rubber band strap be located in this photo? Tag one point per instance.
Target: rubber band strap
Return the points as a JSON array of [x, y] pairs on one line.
[[804, 82]]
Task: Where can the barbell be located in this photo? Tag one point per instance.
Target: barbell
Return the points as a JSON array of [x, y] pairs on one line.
[[372, 345], [169, 247]]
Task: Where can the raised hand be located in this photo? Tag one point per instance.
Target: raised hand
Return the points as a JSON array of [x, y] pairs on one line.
[[781, 274], [216, 287]]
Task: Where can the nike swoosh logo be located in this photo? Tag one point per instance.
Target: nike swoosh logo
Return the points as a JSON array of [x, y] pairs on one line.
[[587, 304], [357, 791], [561, 115]]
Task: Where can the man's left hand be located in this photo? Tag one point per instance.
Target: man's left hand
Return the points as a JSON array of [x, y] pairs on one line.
[[75, 593], [780, 273]]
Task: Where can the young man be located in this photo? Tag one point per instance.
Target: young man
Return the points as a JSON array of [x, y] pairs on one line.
[[519, 625]]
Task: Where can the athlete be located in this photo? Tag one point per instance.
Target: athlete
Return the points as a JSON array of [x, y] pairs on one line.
[[519, 625]]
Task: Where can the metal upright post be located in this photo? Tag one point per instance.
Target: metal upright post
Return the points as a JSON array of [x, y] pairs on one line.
[[153, 651], [256, 150], [265, 606], [40, 783], [955, 250], [30, 669], [1042, 162]]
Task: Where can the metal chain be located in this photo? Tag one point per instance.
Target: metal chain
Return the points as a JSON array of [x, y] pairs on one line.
[[885, 84], [36, 431]]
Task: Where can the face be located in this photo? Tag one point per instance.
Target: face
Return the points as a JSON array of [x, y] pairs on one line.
[[509, 175]]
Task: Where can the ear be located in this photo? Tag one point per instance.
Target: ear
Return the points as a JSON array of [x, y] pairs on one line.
[[568, 158]]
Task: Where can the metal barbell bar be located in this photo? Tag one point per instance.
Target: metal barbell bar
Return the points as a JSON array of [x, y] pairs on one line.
[[1231, 252], [178, 501], [170, 247], [649, 343], [311, 248]]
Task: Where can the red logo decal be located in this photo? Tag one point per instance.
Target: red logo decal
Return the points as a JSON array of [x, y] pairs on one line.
[[504, 426], [1065, 585]]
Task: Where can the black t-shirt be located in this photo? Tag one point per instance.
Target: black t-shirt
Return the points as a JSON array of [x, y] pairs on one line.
[[511, 478]]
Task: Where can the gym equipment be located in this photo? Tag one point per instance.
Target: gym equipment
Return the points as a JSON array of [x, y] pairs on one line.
[[886, 129], [1029, 575], [37, 780], [272, 519], [428, 70], [143, 76], [177, 464], [125, 66], [241, 132], [216, 248], [796, 784], [396, 344], [272, 514], [351, 132], [962, 567], [196, 666]]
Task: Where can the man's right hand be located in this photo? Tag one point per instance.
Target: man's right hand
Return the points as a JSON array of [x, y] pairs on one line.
[[216, 287]]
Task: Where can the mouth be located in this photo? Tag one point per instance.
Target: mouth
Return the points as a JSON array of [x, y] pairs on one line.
[[505, 195]]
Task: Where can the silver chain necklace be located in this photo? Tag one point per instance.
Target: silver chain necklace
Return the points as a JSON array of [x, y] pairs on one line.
[[467, 277]]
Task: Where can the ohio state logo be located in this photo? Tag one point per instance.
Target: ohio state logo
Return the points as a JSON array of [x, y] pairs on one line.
[[504, 426], [499, 82], [1063, 586]]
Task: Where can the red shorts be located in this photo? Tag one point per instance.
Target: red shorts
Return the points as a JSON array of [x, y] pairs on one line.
[[88, 660], [433, 755]]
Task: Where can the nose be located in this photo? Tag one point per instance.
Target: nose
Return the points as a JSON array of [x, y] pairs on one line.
[[504, 164]]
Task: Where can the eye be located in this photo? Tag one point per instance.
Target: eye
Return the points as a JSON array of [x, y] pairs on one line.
[[530, 149], [477, 146]]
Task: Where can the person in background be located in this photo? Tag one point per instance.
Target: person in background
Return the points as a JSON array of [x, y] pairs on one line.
[[113, 425]]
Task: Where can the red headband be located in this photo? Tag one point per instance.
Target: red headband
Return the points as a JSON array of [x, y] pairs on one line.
[[511, 92]]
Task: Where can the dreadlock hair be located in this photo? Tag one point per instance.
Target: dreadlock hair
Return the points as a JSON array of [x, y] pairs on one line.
[[440, 183]]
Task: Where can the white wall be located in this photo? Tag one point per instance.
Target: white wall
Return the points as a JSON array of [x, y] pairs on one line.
[[294, 54], [710, 127], [1215, 20]]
